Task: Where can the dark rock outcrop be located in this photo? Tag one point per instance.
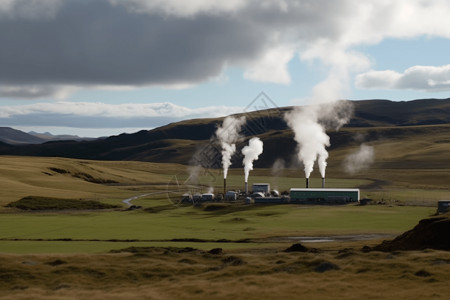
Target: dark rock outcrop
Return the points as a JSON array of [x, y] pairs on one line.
[[432, 233]]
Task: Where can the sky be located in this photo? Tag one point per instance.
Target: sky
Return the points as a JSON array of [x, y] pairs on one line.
[[104, 67]]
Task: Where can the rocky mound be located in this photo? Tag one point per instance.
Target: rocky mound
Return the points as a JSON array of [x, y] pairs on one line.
[[432, 233]]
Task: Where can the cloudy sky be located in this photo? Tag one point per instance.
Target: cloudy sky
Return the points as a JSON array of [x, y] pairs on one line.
[[102, 67]]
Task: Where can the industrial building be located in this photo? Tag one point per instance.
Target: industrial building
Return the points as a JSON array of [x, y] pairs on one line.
[[261, 188], [323, 196], [231, 196], [261, 194], [207, 197]]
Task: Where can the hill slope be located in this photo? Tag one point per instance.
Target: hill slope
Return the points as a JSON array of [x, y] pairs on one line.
[[181, 142], [405, 113]]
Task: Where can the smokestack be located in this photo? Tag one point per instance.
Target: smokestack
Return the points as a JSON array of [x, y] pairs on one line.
[[307, 183], [224, 186], [246, 187], [323, 182]]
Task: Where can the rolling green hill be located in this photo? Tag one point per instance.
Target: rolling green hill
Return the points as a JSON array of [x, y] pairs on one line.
[[374, 121]]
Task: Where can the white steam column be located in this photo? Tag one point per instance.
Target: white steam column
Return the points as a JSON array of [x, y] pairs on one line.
[[311, 138], [228, 135], [251, 153]]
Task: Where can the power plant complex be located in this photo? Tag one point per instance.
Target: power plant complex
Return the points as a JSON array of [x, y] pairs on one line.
[[311, 147], [262, 194]]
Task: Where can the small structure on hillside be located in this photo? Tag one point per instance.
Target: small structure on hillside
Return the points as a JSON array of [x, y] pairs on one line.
[[443, 206]]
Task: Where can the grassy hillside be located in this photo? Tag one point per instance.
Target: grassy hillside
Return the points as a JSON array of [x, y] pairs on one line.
[[410, 162], [78, 179], [401, 113]]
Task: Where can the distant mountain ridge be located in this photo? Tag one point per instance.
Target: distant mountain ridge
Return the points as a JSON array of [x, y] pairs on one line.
[[13, 136], [182, 142], [47, 136]]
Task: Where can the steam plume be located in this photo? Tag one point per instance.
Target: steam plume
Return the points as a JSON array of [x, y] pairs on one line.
[[309, 126], [359, 160], [228, 135], [251, 153], [310, 137], [278, 167]]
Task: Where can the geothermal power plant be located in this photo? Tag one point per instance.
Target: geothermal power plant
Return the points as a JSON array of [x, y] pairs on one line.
[[262, 193], [310, 150]]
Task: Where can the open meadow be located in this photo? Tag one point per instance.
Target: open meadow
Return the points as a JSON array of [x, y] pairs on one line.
[[216, 250]]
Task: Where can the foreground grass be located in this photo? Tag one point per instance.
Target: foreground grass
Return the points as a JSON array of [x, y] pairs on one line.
[[177, 273]]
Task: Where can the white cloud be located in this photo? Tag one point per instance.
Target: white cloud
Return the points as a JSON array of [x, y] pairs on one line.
[[36, 91], [181, 7], [423, 78], [98, 119], [272, 66], [129, 110], [175, 43], [29, 10]]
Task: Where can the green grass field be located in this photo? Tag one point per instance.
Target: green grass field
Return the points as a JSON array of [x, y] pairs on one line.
[[97, 231], [162, 220]]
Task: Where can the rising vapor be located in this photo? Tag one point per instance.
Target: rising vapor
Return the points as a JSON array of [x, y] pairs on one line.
[[228, 135], [309, 125], [310, 136], [359, 160], [251, 153]]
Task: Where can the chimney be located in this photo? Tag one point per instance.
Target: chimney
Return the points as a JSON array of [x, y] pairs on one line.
[[224, 186], [307, 183], [246, 187], [323, 182]]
